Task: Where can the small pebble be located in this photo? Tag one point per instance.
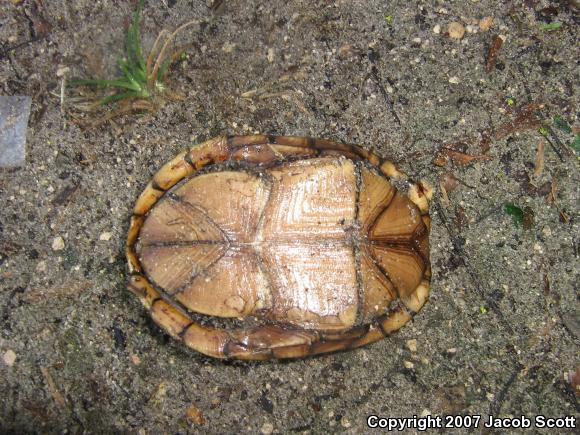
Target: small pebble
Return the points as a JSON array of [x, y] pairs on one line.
[[452, 350], [456, 30], [9, 357], [412, 345], [346, 50], [229, 47], [106, 236], [454, 80], [271, 55], [41, 266], [267, 428], [58, 244], [408, 364], [437, 29], [485, 23], [62, 71], [345, 422]]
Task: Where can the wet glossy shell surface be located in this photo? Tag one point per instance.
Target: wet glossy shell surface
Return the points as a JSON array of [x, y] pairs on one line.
[[296, 246]]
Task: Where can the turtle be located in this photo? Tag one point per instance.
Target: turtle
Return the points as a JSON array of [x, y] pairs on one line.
[[273, 247]]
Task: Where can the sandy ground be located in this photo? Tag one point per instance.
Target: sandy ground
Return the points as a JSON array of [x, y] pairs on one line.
[[500, 333]]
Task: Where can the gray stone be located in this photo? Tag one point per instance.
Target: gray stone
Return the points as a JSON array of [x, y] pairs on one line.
[[14, 113]]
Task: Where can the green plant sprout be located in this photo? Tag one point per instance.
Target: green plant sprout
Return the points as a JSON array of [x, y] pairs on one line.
[[142, 80], [575, 144], [562, 124], [515, 212], [551, 26]]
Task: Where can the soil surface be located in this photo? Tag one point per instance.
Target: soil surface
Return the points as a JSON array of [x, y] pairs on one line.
[[465, 107]]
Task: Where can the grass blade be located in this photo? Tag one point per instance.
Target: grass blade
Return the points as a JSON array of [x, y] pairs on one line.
[[118, 97], [161, 57], [114, 83], [134, 51], [163, 70]]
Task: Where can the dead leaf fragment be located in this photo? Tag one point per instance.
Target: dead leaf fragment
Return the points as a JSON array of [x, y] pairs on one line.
[[526, 119], [450, 400], [494, 48], [444, 196], [546, 279], [485, 141], [539, 165], [68, 289], [574, 379], [52, 388], [460, 220], [440, 159], [194, 415], [459, 158], [449, 181], [40, 27], [551, 198], [528, 221], [66, 194]]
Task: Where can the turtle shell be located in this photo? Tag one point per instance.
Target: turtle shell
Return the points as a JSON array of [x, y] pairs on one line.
[[259, 247]]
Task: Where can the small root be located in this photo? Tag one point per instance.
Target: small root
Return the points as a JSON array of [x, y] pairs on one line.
[[125, 108]]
